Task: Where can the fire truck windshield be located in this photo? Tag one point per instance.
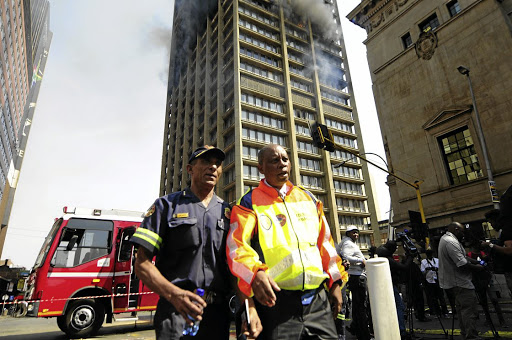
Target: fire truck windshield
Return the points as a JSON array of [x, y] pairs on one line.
[[83, 240], [47, 243]]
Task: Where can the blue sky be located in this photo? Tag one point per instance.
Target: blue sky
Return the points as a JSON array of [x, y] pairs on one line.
[[96, 138]]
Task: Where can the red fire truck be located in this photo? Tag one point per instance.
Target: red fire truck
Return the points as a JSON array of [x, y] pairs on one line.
[[84, 271]]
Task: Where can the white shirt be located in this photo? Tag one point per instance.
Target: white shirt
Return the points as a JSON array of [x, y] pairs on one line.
[[430, 274]]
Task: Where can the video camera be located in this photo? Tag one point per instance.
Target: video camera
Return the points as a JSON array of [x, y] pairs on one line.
[[407, 244]]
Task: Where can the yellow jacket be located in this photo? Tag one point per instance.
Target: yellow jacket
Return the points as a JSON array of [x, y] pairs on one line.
[[287, 237]]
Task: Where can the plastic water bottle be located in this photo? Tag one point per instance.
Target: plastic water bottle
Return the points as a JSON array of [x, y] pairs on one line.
[[191, 330]]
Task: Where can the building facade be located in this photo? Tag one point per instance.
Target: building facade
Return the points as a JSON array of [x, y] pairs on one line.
[[246, 73], [425, 107], [26, 37]]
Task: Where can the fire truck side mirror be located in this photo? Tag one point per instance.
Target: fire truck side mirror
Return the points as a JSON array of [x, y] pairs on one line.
[[72, 242]]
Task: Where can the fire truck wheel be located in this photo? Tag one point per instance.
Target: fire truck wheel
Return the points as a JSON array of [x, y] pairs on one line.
[[83, 318]]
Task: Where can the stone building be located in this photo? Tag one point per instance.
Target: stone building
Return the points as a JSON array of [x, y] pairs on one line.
[[425, 108], [245, 73]]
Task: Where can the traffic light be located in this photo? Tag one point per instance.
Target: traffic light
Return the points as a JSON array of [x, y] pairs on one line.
[[322, 137]]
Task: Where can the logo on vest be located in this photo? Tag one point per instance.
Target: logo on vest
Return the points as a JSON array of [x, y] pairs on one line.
[[265, 222], [282, 219]]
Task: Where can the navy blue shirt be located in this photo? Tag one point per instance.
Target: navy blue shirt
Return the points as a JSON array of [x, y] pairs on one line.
[[188, 239]]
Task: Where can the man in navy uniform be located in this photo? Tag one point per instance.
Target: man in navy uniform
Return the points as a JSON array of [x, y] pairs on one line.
[[187, 232]]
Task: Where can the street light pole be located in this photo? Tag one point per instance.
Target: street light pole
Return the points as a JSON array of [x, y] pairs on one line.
[[465, 71]]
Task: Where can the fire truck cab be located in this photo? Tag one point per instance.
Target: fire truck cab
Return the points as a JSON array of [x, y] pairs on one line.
[[84, 271]]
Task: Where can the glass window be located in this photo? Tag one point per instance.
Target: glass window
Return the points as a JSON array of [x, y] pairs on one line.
[[82, 241], [453, 7], [431, 23], [406, 40], [460, 156]]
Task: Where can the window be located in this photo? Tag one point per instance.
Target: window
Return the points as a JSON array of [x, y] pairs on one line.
[[83, 241], [430, 23], [460, 156], [453, 7], [407, 40]]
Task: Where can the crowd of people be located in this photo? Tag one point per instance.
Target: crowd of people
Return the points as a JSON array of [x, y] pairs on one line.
[[274, 250]]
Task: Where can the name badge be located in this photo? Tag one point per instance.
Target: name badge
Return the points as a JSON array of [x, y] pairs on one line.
[[180, 215]]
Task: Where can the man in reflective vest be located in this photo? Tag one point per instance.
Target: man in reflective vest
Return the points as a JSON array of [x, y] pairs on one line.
[[280, 248]]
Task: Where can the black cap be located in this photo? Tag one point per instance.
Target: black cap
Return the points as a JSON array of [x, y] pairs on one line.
[[207, 149]]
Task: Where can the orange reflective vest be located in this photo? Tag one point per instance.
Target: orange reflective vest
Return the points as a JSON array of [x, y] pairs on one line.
[[286, 236]]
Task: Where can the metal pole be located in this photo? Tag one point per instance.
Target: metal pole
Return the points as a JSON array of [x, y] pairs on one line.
[[481, 136]]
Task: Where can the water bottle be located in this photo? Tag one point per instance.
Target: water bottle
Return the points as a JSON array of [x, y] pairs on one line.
[[191, 330]]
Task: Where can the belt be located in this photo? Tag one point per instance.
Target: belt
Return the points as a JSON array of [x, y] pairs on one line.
[[306, 296]]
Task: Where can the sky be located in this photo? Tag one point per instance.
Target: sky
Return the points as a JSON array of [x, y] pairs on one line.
[[97, 133]]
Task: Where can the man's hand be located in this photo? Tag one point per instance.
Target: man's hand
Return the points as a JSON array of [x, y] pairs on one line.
[[263, 287], [335, 299], [253, 330], [187, 303]]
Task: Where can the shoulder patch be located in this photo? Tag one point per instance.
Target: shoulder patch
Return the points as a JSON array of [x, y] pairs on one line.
[[227, 213], [150, 211]]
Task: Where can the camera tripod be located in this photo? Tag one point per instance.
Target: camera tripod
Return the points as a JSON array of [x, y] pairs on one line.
[[409, 308]]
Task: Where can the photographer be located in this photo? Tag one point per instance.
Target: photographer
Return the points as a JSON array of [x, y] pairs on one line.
[[398, 271], [435, 295], [455, 274], [483, 282]]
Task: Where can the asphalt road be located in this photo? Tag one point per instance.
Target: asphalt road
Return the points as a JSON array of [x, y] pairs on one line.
[[47, 329]]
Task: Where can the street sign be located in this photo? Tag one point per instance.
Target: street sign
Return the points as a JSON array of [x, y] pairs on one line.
[[494, 193]]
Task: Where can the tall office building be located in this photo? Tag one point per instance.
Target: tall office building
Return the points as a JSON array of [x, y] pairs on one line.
[[428, 118], [26, 37], [246, 73]]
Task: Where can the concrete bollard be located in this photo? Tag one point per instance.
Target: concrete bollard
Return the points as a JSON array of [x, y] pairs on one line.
[[382, 300]]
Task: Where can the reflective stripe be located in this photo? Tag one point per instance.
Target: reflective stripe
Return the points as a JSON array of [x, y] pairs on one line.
[[90, 274], [151, 237]]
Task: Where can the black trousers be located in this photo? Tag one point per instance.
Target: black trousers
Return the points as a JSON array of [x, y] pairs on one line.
[[169, 324], [289, 319], [436, 301], [357, 286]]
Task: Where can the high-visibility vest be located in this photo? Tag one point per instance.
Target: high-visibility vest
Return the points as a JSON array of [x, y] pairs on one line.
[[289, 238]]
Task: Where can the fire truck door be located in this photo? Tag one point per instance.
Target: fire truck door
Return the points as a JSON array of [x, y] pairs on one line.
[[123, 284]]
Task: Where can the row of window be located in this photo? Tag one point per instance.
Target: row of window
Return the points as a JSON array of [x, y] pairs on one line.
[[255, 41], [255, 28], [258, 16], [252, 172], [263, 137], [300, 85], [307, 147], [346, 171], [311, 181], [302, 130], [345, 141], [309, 164], [339, 125], [358, 221], [262, 119], [277, 76], [347, 187], [304, 114], [348, 204], [335, 97], [262, 102], [261, 57]]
